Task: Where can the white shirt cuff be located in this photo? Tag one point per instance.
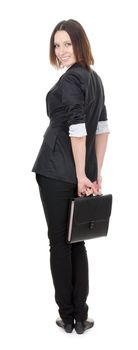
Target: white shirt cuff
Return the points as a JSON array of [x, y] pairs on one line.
[[102, 127], [77, 130]]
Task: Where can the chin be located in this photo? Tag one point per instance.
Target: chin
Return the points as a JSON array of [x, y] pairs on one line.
[[69, 64]]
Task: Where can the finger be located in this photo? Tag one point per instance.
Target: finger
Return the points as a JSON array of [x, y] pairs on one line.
[[89, 191], [94, 189], [80, 193]]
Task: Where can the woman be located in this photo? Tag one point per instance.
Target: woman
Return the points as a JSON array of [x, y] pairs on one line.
[[69, 164]]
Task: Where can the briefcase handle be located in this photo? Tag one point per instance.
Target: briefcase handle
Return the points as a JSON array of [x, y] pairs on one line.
[[92, 195]]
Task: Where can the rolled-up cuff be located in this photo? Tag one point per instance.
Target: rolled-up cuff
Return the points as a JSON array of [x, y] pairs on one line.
[[102, 127], [77, 130]]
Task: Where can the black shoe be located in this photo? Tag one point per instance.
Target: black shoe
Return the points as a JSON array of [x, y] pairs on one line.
[[81, 327], [68, 327]]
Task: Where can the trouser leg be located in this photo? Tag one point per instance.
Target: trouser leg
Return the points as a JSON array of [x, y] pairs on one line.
[[80, 280], [67, 261]]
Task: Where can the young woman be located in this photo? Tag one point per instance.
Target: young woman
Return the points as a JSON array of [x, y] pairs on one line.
[[69, 164]]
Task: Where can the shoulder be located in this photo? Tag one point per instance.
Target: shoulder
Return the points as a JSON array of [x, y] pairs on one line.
[[81, 74], [76, 75], [97, 78]]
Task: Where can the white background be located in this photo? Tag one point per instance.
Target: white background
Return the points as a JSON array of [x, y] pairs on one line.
[[27, 307]]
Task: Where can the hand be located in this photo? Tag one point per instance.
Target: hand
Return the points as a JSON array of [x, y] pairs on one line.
[[86, 187]]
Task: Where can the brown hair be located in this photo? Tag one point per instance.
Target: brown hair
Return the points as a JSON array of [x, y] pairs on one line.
[[80, 43]]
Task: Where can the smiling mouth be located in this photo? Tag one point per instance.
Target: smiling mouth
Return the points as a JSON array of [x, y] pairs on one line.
[[65, 58]]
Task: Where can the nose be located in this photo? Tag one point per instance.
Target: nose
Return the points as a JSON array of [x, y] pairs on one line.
[[62, 50]]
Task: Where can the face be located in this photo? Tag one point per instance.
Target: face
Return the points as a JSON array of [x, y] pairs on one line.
[[63, 48]]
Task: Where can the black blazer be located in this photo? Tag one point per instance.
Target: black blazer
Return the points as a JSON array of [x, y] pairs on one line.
[[77, 97]]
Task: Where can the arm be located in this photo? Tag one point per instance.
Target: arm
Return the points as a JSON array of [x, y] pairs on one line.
[[85, 186], [100, 145], [73, 101]]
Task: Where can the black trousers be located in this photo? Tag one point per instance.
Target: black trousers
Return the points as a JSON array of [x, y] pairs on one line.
[[69, 264]]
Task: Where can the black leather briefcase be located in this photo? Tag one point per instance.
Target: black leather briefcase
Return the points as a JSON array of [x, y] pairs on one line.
[[89, 217]]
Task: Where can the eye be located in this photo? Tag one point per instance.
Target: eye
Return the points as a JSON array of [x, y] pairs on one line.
[[67, 44], [56, 45]]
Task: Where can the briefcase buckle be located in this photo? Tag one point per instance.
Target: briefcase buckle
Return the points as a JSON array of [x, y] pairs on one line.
[[91, 225]]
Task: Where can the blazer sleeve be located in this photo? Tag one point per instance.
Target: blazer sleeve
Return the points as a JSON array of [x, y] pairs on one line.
[[73, 98], [102, 126], [103, 115]]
